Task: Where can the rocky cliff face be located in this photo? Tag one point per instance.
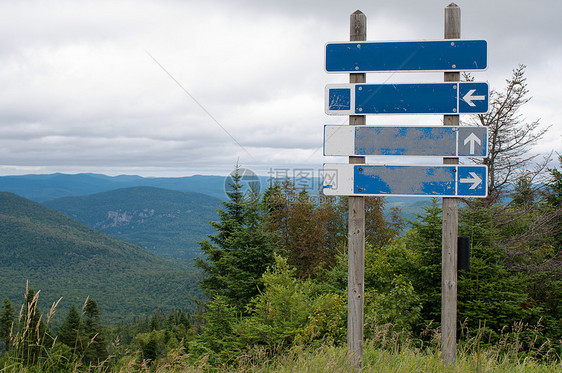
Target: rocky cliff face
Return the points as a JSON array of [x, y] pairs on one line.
[[165, 222]]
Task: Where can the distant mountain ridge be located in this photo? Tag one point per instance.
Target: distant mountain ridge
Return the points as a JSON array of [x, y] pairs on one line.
[[64, 258], [41, 188], [165, 222]]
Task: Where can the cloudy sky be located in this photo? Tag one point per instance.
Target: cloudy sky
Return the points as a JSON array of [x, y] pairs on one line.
[[181, 87]]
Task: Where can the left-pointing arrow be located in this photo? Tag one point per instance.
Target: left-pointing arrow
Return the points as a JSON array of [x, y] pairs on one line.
[[475, 180], [468, 98]]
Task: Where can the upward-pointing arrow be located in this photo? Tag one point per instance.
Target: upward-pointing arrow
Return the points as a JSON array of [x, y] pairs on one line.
[[472, 138], [468, 98]]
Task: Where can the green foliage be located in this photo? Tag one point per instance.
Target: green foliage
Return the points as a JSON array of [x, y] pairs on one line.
[[7, 320], [94, 348], [380, 228], [384, 264], [280, 310], [424, 239], [69, 331], [400, 307], [310, 232], [490, 295], [313, 232], [334, 279], [554, 202], [67, 259], [241, 250], [510, 274], [27, 344], [287, 311], [326, 321], [554, 192], [153, 345], [218, 339]]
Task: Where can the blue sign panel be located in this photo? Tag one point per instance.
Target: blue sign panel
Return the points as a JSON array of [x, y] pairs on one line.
[[473, 97], [422, 98], [429, 181], [442, 55], [429, 141]]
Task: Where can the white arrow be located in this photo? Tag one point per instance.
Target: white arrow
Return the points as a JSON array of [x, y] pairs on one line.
[[475, 181], [468, 98], [472, 138]]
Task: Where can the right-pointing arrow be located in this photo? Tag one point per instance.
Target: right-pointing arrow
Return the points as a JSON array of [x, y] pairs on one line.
[[468, 98], [475, 180], [472, 138]]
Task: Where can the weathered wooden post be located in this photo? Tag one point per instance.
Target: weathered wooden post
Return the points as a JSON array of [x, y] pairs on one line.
[[450, 221], [356, 226]]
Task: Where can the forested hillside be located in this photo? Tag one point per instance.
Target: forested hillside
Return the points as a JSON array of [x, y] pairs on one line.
[[64, 258], [165, 222]]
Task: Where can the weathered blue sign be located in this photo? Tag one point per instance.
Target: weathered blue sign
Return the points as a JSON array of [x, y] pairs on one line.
[[418, 181], [442, 55], [435, 141], [422, 98]]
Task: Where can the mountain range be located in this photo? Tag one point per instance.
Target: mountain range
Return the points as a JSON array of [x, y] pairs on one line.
[[64, 258], [104, 244], [165, 222], [41, 188]]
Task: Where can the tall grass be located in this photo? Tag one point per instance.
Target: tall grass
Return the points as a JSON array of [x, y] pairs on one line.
[[521, 348], [33, 348], [388, 351]]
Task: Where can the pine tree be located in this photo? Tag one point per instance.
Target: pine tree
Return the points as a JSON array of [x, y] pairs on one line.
[[94, 348], [425, 239], [231, 219], [7, 319], [69, 332], [150, 350], [554, 196], [240, 252]]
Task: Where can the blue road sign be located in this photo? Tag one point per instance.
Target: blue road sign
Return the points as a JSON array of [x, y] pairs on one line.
[[416, 181], [442, 55], [436, 141], [422, 98]]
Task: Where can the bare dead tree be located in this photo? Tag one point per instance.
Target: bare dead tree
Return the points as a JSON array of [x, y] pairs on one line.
[[510, 135], [530, 227]]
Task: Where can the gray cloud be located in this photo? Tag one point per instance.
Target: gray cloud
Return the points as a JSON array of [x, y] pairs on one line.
[[80, 93]]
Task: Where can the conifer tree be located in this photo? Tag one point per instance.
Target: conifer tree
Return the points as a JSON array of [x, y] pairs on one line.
[[7, 319], [69, 332], [231, 219], [94, 348], [554, 192], [241, 251]]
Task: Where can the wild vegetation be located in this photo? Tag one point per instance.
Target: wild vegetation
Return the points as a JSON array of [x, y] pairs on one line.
[[276, 278]]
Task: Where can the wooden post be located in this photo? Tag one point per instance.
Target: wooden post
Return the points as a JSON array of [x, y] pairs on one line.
[[356, 227], [450, 221]]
